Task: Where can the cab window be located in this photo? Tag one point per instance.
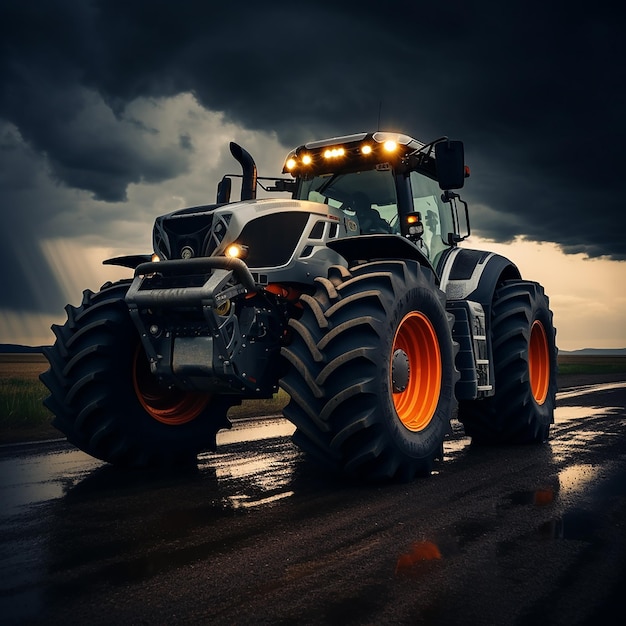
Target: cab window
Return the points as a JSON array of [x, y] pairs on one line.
[[436, 214]]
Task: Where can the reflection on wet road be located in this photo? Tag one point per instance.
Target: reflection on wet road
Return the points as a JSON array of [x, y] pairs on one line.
[[520, 534]]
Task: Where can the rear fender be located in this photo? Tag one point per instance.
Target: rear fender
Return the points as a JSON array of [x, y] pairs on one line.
[[475, 275], [470, 279]]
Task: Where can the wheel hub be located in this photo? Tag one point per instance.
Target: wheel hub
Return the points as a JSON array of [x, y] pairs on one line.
[[400, 371]]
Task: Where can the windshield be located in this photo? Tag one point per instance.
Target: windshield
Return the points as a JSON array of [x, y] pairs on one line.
[[368, 197]]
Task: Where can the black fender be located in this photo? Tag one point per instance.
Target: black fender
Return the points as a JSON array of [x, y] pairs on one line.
[[377, 247], [132, 260]]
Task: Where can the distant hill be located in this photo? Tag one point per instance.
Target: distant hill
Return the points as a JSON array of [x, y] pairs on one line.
[[596, 352], [14, 348]]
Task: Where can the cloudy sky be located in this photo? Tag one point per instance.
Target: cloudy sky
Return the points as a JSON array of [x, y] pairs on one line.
[[115, 111]]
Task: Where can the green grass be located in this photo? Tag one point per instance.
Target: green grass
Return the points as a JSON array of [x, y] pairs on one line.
[[589, 368], [22, 413], [590, 364], [21, 403]]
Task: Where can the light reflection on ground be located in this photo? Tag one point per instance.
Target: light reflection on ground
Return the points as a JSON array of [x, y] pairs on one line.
[[262, 428], [578, 391], [568, 413], [253, 476], [576, 478]]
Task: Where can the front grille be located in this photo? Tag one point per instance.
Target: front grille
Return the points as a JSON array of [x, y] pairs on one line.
[[217, 232], [272, 239], [175, 232]]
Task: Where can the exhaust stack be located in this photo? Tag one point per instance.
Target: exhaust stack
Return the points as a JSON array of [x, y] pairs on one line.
[[248, 167]]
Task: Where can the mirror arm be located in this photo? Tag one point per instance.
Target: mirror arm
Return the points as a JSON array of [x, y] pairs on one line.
[[451, 197]]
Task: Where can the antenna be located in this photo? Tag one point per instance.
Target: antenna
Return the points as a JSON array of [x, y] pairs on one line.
[[380, 107]]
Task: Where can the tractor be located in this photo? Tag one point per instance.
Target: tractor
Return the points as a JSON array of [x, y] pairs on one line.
[[347, 288]]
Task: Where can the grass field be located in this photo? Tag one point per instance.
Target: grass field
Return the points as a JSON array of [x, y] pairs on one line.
[[21, 397], [23, 416], [584, 364]]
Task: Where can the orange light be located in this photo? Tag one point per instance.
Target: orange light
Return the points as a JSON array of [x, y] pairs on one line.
[[411, 219], [236, 251], [333, 153], [366, 149], [306, 159], [390, 146], [291, 163]]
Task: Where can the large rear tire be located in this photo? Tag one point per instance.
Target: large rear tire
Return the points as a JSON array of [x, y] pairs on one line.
[[106, 401], [370, 371], [525, 368]]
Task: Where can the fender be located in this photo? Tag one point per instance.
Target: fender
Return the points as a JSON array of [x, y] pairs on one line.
[[470, 278], [132, 260], [369, 247], [475, 275]]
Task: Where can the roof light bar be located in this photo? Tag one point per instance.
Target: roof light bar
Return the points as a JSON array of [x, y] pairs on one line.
[[319, 156]]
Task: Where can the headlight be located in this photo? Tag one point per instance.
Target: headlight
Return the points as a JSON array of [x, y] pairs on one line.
[[236, 251]]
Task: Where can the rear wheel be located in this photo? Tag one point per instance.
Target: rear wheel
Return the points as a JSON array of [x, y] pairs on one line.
[[525, 368], [107, 402], [370, 371]]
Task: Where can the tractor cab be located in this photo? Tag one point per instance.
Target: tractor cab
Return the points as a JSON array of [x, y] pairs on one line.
[[386, 183]]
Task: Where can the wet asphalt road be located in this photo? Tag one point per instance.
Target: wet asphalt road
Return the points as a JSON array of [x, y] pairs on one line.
[[522, 535]]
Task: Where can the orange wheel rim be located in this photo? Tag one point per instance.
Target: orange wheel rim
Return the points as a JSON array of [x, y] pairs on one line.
[[539, 362], [168, 406], [415, 371]]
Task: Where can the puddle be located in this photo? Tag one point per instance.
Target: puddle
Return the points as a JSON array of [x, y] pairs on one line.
[[34, 479], [573, 525]]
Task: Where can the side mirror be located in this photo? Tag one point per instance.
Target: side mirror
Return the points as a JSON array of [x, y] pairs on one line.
[[450, 162]]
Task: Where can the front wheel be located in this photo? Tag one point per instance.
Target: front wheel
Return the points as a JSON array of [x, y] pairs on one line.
[[525, 367], [107, 402], [370, 371]]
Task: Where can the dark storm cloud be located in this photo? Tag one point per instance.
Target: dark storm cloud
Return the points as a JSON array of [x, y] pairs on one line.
[[27, 282], [536, 90]]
